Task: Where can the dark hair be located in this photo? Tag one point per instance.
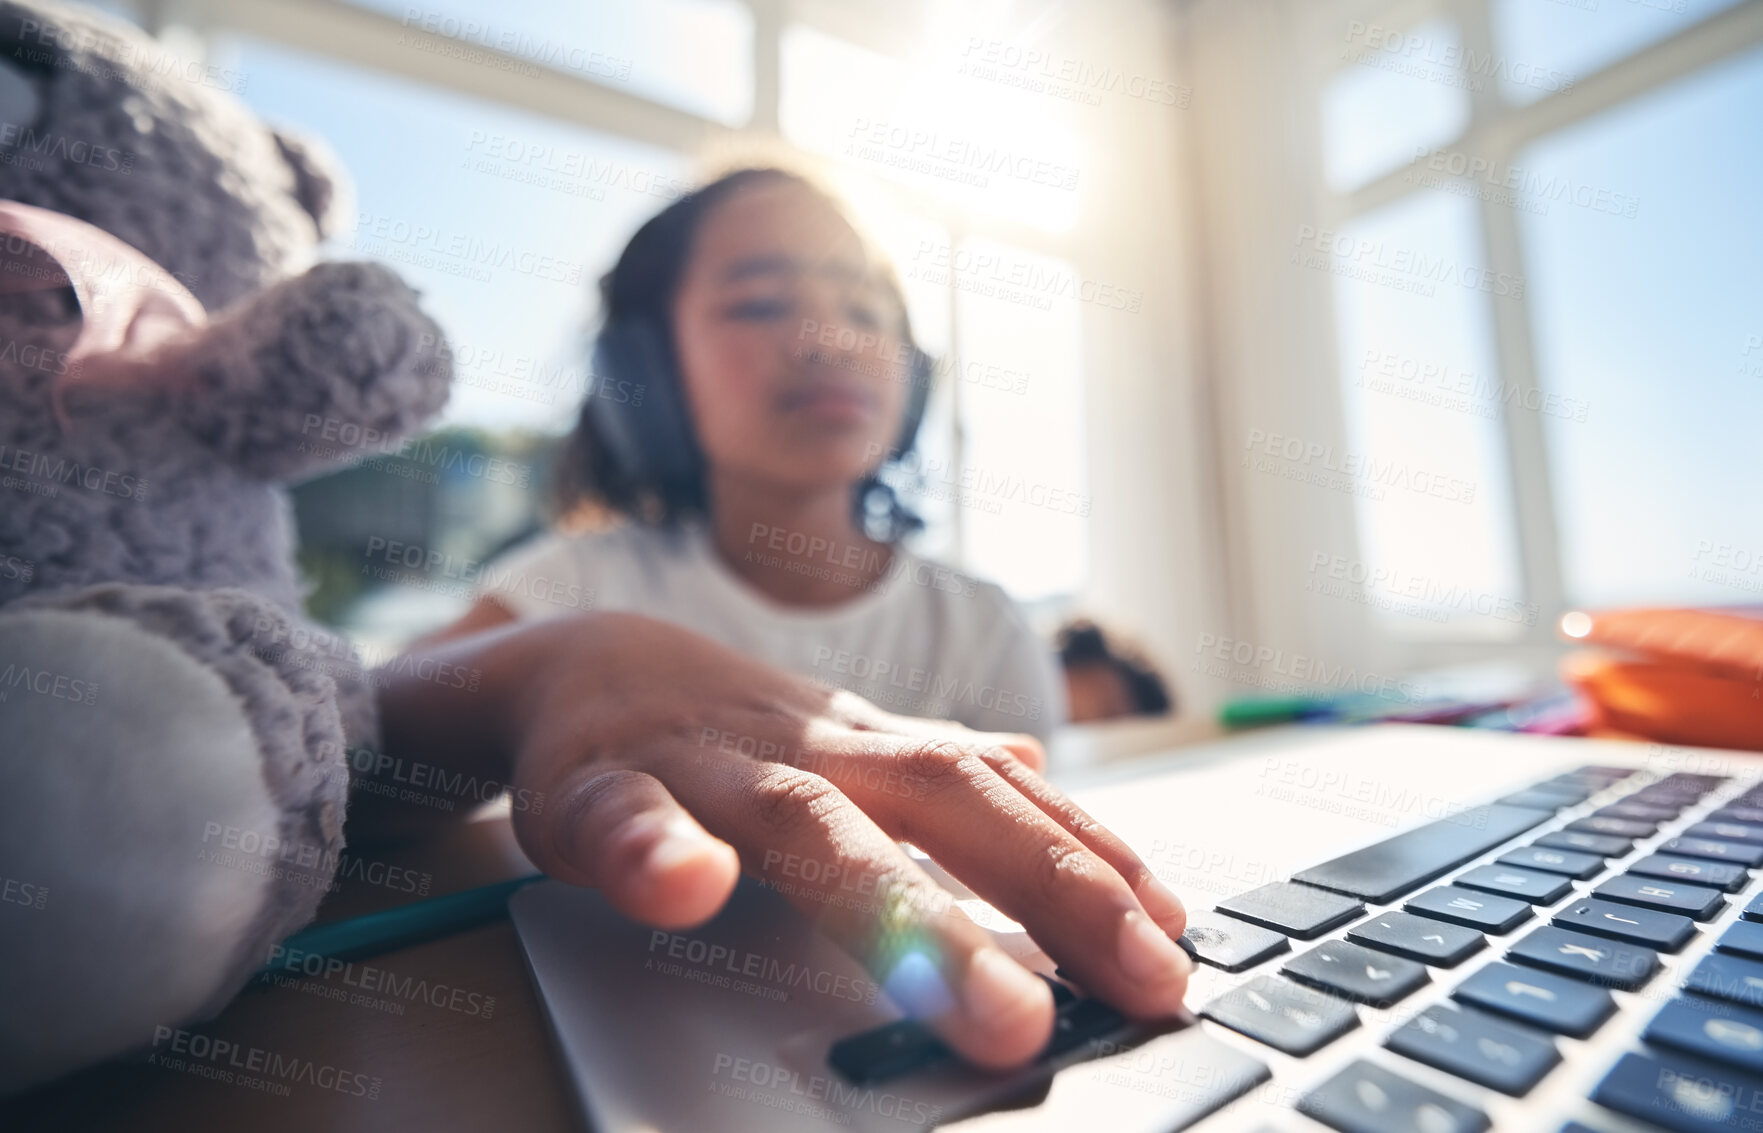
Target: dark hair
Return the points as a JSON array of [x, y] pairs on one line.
[[1082, 642], [641, 286]]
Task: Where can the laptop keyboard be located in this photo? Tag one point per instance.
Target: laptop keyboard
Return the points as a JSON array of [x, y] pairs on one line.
[[1310, 952]]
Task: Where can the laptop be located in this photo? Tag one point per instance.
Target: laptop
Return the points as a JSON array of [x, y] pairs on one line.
[[1397, 928]]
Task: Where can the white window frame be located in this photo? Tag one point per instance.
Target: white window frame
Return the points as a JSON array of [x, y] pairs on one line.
[[1498, 132], [1290, 50]]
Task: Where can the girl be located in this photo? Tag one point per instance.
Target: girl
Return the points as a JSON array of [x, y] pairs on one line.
[[742, 449], [755, 371]]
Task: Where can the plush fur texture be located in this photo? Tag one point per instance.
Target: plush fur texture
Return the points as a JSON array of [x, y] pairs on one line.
[[157, 505], [160, 867]]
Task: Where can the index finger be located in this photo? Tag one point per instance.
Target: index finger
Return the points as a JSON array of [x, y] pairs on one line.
[[922, 950], [1029, 864]]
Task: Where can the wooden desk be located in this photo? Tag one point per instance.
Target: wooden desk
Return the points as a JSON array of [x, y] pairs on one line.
[[449, 1066]]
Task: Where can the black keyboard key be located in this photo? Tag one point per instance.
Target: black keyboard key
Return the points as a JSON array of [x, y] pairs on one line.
[[1754, 911], [1721, 875], [1564, 1006], [1476, 1047], [1663, 796], [1640, 812], [1592, 783], [1527, 884], [1356, 973], [1748, 833], [1750, 815], [1547, 798], [1666, 793], [887, 1052], [1589, 958], [1684, 1095], [907, 1046], [1418, 938], [1366, 1098], [1607, 845], [1666, 932], [1619, 827], [1080, 1022], [1225, 942], [1062, 993], [1401, 864], [1731, 978], [1708, 1029], [1283, 1015], [1739, 853], [1696, 901], [1744, 938], [1470, 909], [1569, 863], [1296, 910], [1605, 771], [1688, 783]]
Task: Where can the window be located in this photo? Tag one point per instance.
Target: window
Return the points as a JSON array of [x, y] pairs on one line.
[[981, 146], [1423, 404], [999, 472], [1559, 279], [696, 55], [1398, 96], [503, 219], [1648, 303], [1542, 48], [1015, 378]]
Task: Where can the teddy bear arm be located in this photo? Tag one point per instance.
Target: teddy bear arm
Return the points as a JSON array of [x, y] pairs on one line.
[[317, 371]]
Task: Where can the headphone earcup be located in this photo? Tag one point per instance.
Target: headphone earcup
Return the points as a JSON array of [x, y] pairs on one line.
[[636, 400]]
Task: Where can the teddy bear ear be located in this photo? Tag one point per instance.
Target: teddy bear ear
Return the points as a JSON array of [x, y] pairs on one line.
[[320, 184]]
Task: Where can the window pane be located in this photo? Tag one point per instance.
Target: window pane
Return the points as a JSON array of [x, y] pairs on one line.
[[1543, 47], [1401, 92], [979, 144], [503, 219], [1016, 378], [695, 55], [1425, 459], [1654, 319]]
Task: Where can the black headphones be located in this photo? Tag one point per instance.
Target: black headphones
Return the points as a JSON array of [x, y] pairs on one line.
[[637, 402]]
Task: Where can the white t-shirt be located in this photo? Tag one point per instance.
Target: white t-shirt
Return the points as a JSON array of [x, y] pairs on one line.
[[925, 640]]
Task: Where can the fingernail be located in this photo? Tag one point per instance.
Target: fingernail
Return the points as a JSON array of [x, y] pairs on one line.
[[1147, 954], [998, 989], [1161, 904]]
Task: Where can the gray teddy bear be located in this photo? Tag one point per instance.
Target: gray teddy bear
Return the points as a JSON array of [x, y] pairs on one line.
[[173, 763]]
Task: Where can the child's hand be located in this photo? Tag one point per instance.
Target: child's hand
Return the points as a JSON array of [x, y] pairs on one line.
[[668, 764]]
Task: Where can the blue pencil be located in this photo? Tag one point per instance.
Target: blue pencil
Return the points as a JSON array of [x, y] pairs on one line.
[[391, 929]]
